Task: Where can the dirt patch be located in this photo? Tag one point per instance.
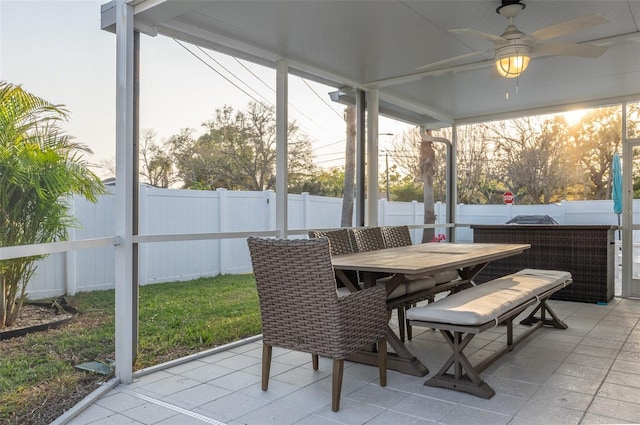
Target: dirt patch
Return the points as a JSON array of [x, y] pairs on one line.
[[37, 317], [42, 403], [34, 315]]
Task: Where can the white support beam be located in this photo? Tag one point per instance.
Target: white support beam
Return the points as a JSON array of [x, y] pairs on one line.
[[452, 178], [361, 140], [372, 157], [627, 208], [124, 191], [282, 123]]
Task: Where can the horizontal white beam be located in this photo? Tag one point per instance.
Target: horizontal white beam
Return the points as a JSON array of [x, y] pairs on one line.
[[7, 253]]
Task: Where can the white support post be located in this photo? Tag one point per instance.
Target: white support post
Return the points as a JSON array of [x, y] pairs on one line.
[[372, 158], [223, 209], [360, 157], [627, 210], [124, 191], [452, 178], [144, 268], [306, 210], [282, 123], [70, 257], [269, 215]]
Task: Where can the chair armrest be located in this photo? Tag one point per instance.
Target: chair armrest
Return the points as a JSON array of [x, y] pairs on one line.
[[366, 305]]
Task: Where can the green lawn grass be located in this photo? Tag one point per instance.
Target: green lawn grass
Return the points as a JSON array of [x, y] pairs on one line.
[[38, 379]]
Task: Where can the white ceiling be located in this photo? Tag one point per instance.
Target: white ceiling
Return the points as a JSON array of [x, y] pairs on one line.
[[367, 44]]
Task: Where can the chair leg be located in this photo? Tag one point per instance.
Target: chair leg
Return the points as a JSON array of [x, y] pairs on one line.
[[401, 323], [338, 368], [409, 330], [314, 361], [266, 365], [382, 362]]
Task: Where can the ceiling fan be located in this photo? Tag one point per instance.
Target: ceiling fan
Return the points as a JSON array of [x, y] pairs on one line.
[[513, 48]]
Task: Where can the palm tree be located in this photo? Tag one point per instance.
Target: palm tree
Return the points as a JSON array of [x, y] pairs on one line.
[[40, 168]]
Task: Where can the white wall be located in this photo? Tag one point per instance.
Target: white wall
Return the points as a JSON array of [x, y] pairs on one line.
[[167, 211]]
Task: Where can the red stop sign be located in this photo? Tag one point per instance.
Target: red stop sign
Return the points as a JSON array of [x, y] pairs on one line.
[[507, 197]]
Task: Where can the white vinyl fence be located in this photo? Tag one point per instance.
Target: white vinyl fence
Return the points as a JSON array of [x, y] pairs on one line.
[[169, 211]]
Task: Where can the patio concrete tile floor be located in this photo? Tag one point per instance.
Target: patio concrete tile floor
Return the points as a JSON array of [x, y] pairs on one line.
[[587, 374]]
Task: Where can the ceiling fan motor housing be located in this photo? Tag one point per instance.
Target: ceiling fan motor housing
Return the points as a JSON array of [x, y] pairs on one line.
[[510, 9]]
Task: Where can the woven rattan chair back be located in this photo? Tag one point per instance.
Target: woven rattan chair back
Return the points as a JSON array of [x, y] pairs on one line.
[[368, 238], [301, 310], [395, 236], [340, 241]]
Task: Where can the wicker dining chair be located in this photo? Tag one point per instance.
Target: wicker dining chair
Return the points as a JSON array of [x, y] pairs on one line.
[[301, 310], [368, 238], [395, 236], [341, 242]]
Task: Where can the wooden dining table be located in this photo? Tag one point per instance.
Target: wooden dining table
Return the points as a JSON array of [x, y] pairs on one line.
[[468, 259]]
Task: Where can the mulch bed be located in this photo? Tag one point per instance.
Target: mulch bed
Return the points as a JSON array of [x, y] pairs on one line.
[[35, 317]]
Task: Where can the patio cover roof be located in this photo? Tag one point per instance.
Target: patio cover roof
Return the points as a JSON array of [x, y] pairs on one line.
[[380, 44], [374, 47]]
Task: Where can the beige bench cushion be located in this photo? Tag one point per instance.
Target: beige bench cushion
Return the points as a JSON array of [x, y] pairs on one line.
[[486, 302]]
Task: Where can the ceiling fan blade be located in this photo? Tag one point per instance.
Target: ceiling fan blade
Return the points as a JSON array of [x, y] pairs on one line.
[[480, 34], [453, 59], [569, 49], [567, 27]]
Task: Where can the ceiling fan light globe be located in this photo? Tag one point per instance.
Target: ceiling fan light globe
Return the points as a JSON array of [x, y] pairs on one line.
[[512, 66]]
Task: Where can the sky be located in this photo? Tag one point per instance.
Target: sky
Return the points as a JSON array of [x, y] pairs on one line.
[[56, 50]]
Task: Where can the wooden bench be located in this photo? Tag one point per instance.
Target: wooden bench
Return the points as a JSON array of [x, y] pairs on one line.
[[461, 316]]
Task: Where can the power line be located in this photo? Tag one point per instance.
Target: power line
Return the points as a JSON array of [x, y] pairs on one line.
[[322, 99], [331, 160], [216, 71], [329, 153], [331, 144], [226, 69], [273, 90], [259, 79], [263, 82], [256, 76]]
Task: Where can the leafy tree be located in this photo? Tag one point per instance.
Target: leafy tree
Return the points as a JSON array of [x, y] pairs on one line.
[[475, 169], [530, 156], [595, 139], [156, 165], [406, 189], [328, 182], [238, 151], [633, 120], [39, 168], [406, 154]]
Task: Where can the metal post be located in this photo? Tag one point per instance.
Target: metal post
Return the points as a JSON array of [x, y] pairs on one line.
[[124, 191], [372, 158], [282, 178], [360, 152], [452, 179]]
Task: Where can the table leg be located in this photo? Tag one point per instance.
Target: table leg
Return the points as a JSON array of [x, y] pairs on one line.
[[401, 360]]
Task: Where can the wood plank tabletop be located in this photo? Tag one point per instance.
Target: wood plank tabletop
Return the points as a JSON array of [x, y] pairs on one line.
[[427, 257]]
